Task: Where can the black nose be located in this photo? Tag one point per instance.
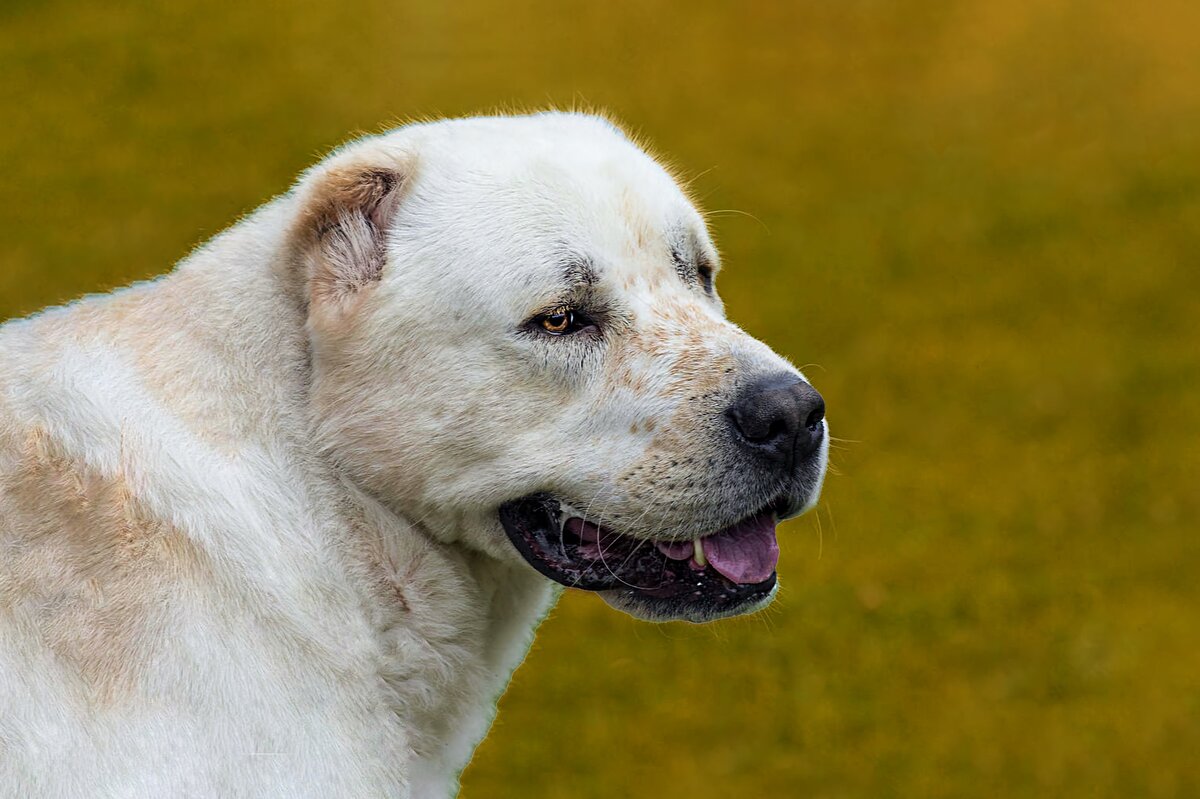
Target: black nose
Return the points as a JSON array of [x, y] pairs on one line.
[[778, 417]]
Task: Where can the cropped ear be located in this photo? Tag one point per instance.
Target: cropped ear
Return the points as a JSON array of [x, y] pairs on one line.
[[348, 208]]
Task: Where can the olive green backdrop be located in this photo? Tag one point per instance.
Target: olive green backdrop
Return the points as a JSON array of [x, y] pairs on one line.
[[978, 221]]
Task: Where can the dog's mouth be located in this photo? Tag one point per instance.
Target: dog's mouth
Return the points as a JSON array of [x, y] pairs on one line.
[[727, 572]]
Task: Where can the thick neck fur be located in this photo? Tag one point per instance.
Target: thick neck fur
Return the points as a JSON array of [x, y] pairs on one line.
[[277, 588]]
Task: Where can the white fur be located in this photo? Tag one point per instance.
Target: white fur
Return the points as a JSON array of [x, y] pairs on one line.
[[248, 536]]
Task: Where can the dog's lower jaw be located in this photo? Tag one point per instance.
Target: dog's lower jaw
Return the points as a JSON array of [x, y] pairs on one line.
[[640, 609]]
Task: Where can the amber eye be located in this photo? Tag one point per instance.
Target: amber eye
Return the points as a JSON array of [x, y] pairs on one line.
[[563, 321], [559, 322]]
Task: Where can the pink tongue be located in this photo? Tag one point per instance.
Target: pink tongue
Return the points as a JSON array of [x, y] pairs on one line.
[[589, 535], [745, 553]]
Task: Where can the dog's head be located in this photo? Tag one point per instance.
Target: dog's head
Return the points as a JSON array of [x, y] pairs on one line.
[[518, 345]]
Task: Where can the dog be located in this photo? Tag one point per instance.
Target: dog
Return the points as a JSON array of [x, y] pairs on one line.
[[283, 522]]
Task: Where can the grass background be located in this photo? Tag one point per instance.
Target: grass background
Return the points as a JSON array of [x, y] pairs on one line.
[[979, 218]]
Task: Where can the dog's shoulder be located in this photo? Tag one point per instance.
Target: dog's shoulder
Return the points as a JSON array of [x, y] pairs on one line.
[[84, 563], [84, 566], [154, 579]]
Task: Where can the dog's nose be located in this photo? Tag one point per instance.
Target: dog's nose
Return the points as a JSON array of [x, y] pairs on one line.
[[778, 417]]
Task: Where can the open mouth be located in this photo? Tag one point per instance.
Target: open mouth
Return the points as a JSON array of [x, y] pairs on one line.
[[724, 573]]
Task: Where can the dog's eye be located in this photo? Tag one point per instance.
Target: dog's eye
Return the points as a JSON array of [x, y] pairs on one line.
[[705, 272], [563, 322], [559, 322]]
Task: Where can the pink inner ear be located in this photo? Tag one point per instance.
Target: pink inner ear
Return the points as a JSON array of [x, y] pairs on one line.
[[354, 212]]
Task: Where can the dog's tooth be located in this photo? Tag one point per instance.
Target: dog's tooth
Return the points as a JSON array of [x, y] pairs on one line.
[[698, 553]]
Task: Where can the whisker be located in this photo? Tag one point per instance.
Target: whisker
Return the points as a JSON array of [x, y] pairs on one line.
[[736, 212], [832, 522], [820, 535], [600, 548]]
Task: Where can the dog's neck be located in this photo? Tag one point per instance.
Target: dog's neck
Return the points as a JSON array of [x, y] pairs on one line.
[[435, 608], [220, 347]]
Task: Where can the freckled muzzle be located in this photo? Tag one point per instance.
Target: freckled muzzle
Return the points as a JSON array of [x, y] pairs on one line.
[[666, 580]]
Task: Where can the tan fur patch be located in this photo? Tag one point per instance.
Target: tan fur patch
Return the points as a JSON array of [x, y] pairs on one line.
[[85, 567]]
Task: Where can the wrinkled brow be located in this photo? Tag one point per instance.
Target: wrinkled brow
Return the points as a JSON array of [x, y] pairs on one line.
[[577, 283], [579, 272], [689, 257]]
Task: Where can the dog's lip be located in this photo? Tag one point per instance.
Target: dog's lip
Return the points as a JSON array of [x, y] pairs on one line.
[[744, 552], [634, 568]]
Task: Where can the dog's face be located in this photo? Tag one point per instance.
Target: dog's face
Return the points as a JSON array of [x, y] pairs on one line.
[[518, 345]]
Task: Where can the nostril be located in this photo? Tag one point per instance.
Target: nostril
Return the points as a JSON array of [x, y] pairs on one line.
[[815, 416]]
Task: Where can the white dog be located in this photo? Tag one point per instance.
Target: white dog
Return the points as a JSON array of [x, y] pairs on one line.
[[283, 522]]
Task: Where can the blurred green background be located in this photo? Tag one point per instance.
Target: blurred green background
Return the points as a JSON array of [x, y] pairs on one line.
[[978, 220]]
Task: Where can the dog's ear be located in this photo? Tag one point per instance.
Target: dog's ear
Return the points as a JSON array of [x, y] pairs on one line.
[[348, 207]]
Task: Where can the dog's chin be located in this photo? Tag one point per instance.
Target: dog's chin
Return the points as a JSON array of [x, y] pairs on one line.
[[731, 574], [650, 609]]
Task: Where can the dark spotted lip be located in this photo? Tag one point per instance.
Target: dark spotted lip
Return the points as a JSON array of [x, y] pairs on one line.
[[630, 567]]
